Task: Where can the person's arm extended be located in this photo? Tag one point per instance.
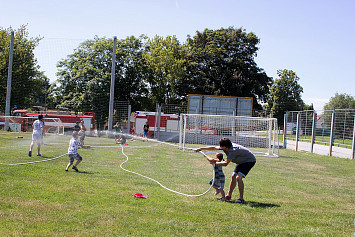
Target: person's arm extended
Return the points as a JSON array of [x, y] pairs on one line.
[[84, 146], [207, 148], [211, 160], [223, 163]]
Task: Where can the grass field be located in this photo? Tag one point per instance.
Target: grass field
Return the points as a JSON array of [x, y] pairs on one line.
[[297, 194]]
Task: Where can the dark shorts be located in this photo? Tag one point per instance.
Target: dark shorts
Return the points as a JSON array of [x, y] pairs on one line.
[[243, 169], [74, 156]]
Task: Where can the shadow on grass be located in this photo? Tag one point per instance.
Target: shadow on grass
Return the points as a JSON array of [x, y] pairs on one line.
[[255, 204], [84, 172]]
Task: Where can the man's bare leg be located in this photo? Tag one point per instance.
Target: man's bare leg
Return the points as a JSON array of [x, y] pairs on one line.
[[240, 186], [232, 185]]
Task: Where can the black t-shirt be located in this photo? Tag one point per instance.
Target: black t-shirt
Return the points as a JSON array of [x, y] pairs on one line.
[[77, 128], [146, 128]]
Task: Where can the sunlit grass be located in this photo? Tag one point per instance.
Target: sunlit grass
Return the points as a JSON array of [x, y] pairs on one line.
[[297, 194]]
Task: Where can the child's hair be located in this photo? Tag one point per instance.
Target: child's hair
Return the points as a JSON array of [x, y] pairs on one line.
[[75, 134], [220, 156]]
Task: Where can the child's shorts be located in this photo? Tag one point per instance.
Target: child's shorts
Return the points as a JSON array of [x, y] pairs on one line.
[[36, 138], [74, 156]]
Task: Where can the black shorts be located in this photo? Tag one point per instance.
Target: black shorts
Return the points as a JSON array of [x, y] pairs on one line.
[[243, 169]]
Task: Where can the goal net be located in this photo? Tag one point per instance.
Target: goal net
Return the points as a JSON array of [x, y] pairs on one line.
[[24, 124], [257, 134]]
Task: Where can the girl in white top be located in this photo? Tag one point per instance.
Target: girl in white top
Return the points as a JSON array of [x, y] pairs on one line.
[[38, 132]]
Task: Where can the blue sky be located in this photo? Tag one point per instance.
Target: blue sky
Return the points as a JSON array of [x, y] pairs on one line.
[[314, 38]]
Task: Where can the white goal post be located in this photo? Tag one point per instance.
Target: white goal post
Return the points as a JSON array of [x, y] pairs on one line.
[[257, 134], [24, 124]]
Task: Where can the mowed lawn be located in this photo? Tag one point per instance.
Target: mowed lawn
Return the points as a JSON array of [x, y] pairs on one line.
[[297, 194]]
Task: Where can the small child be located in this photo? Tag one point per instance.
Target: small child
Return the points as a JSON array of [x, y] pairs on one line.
[[74, 145], [37, 135], [121, 140], [82, 132], [219, 178]]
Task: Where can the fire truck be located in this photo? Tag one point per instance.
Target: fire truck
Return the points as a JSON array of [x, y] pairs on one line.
[[68, 119], [168, 123]]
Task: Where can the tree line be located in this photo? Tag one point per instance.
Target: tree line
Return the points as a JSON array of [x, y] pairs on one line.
[[154, 70]]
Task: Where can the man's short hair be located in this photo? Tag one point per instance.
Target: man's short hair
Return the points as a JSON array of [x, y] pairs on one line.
[[225, 142], [40, 116], [75, 134]]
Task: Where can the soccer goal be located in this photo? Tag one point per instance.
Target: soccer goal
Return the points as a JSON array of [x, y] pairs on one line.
[[257, 134], [24, 124]]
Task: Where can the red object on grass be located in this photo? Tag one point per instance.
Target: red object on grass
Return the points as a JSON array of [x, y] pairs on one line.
[[140, 195]]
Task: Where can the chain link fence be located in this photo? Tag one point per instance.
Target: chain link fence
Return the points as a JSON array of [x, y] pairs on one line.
[[330, 132]]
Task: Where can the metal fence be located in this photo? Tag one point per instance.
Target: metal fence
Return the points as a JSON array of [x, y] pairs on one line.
[[173, 109], [330, 132]]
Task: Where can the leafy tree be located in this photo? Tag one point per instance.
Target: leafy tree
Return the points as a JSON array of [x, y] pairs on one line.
[[27, 81], [221, 62], [340, 101], [131, 72], [42, 87], [84, 77], [165, 63], [285, 94], [308, 107], [343, 118]]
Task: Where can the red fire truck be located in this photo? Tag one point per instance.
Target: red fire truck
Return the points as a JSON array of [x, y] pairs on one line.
[[168, 123], [68, 119]]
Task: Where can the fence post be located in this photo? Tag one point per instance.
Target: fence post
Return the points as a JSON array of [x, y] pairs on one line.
[[285, 132], [129, 119], [9, 79], [181, 131], [313, 130], [234, 133], [112, 86], [297, 130], [353, 145], [156, 119], [159, 122], [184, 130], [331, 134]]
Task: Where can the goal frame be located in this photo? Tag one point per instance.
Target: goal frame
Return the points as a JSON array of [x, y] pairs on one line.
[[258, 134], [24, 124]]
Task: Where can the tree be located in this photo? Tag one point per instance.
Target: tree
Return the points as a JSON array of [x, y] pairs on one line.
[[221, 62], [27, 81], [344, 118], [165, 63], [84, 77], [285, 94], [340, 101], [131, 72]]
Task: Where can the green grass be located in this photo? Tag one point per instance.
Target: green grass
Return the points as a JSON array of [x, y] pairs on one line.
[[297, 194]]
